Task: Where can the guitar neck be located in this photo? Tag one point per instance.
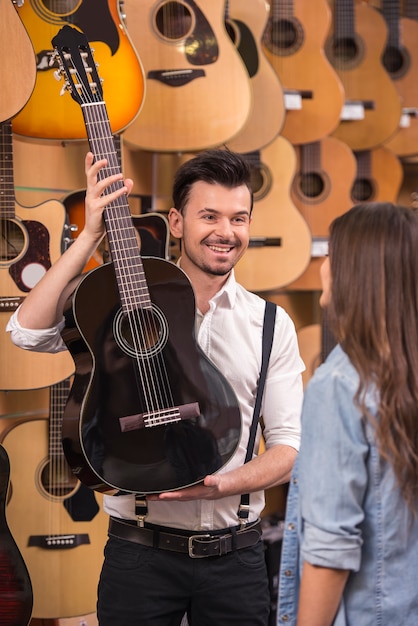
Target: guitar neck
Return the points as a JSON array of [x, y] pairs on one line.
[[123, 243]]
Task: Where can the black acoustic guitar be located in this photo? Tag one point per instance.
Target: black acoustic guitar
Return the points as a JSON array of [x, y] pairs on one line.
[[16, 599], [148, 411]]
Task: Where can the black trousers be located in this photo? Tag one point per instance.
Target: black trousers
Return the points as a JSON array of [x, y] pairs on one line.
[[142, 586]]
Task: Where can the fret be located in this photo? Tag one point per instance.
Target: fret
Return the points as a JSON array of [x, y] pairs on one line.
[[7, 187]]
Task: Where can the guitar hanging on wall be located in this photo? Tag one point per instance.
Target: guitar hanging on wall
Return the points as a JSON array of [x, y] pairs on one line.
[[198, 92], [47, 115], [16, 597], [30, 241], [17, 70], [148, 411], [66, 529]]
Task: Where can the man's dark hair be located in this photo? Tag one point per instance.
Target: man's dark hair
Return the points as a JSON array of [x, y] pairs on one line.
[[217, 166]]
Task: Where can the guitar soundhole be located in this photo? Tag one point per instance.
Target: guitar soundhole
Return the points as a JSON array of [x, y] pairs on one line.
[[173, 20], [57, 479], [260, 180], [345, 52], [13, 241], [284, 37], [49, 8], [396, 61], [312, 185], [363, 190], [142, 333]]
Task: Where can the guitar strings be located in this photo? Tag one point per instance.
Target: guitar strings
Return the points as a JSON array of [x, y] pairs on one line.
[[150, 369]]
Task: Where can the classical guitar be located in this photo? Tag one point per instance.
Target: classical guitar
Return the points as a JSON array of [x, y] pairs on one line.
[[245, 22], [198, 91], [148, 411], [17, 62], [47, 115], [321, 190], [30, 242], [57, 522], [293, 41], [400, 59], [280, 244], [379, 176], [372, 107], [16, 596]]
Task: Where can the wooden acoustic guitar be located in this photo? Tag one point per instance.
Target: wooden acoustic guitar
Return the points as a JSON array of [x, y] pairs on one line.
[[293, 41], [148, 411], [17, 62], [280, 243], [245, 23], [321, 190], [372, 107], [57, 522], [198, 92], [49, 116], [379, 176], [30, 242], [400, 59], [16, 597]]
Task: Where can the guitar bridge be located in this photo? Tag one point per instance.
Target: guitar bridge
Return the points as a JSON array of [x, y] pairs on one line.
[[159, 417]]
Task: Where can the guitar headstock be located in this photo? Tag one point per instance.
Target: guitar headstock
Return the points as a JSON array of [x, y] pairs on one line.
[[77, 66]]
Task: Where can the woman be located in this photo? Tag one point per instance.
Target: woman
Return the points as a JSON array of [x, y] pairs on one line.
[[350, 550]]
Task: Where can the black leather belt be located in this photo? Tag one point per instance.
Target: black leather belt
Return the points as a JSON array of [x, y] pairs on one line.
[[195, 544]]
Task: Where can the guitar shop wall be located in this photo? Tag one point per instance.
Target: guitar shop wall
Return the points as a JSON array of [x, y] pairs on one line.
[[321, 98]]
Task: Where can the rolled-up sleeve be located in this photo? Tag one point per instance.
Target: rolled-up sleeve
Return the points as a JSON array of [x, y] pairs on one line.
[[333, 475], [37, 340]]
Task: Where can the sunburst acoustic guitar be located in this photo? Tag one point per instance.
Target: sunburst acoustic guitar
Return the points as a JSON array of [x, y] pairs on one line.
[[293, 41], [372, 107], [16, 597], [49, 116], [17, 62], [147, 411], [30, 242], [57, 522], [245, 23], [198, 91]]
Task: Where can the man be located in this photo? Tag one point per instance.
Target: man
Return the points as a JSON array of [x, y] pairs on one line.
[[146, 580]]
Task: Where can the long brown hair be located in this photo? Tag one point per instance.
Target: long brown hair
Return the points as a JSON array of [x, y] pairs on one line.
[[373, 313]]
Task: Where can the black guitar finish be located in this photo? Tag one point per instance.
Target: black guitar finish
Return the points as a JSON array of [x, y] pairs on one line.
[[109, 386], [16, 598], [148, 411]]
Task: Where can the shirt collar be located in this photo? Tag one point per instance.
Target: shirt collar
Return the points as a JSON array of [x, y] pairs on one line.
[[227, 293]]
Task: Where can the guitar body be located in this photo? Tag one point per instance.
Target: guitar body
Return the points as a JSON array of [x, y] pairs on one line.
[[267, 267], [49, 116], [365, 80], [380, 180], [15, 585], [321, 189], [33, 238], [245, 26], [17, 62], [57, 524], [294, 46], [198, 91], [31, 242], [113, 381], [405, 73]]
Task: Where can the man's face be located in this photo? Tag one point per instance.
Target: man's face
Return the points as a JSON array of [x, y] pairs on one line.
[[214, 227]]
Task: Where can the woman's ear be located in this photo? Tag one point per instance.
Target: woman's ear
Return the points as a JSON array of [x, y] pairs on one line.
[[175, 220]]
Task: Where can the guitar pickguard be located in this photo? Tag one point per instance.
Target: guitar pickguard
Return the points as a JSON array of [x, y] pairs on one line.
[[34, 264]]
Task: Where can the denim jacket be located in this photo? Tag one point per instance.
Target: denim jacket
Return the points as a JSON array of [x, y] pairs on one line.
[[344, 509]]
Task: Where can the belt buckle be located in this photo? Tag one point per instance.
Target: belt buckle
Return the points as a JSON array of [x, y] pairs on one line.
[[192, 555]]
